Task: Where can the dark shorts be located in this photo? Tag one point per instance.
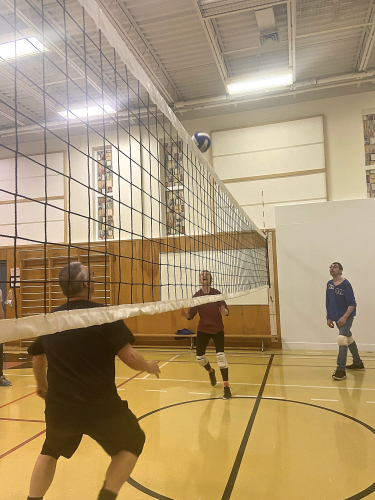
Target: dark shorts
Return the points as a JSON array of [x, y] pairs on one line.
[[114, 429], [204, 338]]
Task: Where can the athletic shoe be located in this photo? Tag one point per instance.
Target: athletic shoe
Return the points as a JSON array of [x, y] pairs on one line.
[[4, 381], [355, 367], [212, 378], [227, 393], [339, 375]]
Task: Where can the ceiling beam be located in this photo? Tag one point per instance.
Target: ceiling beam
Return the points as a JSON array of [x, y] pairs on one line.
[[327, 32], [132, 35], [214, 43], [298, 87]]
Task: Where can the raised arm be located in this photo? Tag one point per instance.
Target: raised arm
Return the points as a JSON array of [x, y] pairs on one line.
[[136, 361]]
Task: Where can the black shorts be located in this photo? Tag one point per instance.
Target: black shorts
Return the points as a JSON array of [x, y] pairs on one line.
[[204, 338], [114, 428]]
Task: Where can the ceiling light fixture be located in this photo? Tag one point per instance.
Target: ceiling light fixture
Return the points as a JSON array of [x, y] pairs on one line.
[[20, 48], [259, 82], [86, 112]]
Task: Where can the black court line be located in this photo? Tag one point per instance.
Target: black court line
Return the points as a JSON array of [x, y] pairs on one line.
[[357, 496], [139, 486], [237, 463], [370, 489], [148, 492]]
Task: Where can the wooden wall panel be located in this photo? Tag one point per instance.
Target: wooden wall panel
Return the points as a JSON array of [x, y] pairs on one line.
[[242, 321]]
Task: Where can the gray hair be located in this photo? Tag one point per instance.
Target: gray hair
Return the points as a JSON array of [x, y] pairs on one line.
[[71, 279]]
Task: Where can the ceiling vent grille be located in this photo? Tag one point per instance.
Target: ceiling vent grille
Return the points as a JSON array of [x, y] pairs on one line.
[[273, 35]]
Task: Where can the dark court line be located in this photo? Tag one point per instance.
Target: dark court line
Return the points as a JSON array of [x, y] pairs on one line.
[[14, 400], [22, 444], [22, 420], [129, 379], [237, 463], [146, 490]]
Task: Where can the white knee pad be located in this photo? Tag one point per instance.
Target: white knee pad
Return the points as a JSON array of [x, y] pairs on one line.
[[342, 340], [221, 360], [350, 339], [202, 360]]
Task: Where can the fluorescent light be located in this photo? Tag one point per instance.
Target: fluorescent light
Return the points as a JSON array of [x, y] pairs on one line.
[[260, 83], [86, 112], [23, 47]]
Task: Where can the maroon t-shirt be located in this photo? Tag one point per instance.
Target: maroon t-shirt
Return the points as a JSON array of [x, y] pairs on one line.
[[210, 320]]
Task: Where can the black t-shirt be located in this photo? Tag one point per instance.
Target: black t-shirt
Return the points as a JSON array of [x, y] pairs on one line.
[[81, 362]]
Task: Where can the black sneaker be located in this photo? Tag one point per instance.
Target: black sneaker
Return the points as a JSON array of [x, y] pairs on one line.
[[355, 367], [339, 375], [212, 378], [227, 393]]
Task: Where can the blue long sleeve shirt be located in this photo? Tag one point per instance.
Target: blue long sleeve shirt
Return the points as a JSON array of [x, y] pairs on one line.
[[338, 299]]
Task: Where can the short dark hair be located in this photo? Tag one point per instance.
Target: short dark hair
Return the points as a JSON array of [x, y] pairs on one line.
[[71, 279], [338, 265]]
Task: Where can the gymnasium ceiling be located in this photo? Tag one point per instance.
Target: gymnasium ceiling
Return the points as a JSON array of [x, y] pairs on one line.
[[190, 47]]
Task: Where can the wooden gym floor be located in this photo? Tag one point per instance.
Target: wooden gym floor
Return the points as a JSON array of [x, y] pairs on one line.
[[289, 433]]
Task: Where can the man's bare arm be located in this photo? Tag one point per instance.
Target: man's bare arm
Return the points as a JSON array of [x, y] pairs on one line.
[[136, 361], [40, 373]]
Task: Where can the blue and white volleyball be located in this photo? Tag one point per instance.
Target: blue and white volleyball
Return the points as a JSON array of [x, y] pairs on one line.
[[202, 141]]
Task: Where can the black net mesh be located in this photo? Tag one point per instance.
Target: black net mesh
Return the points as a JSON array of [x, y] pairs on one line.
[[96, 168]]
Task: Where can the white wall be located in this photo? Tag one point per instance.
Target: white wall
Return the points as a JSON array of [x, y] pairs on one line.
[[272, 164], [309, 238], [343, 136], [31, 185], [83, 178]]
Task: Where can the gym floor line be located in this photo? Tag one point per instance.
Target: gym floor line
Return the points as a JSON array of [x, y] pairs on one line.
[[299, 433]]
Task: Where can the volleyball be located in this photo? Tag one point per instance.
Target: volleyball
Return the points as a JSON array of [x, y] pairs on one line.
[[202, 141]]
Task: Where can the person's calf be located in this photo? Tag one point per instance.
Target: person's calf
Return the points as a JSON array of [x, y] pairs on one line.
[[118, 472], [42, 476]]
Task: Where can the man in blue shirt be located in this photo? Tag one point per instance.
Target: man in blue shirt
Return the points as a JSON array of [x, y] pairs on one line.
[[341, 309]]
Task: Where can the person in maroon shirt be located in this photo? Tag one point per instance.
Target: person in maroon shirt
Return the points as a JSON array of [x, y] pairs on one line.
[[210, 326]]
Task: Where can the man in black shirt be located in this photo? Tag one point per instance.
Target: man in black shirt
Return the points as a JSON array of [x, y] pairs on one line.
[[80, 392]]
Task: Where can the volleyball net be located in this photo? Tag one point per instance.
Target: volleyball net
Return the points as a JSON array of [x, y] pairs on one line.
[[96, 168]]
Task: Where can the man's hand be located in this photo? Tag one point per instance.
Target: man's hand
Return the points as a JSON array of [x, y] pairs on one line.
[[341, 321], [153, 368], [330, 323], [41, 392], [184, 313], [224, 310]]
